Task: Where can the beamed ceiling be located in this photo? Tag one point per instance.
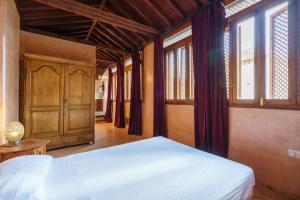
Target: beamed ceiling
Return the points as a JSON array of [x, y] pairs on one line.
[[115, 27]]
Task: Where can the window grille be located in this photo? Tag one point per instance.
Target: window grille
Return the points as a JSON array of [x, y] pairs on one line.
[[181, 73], [170, 68], [226, 56], [178, 36], [238, 6]]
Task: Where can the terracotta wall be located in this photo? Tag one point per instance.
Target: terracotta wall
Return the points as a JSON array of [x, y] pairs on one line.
[[180, 123], [147, 107], [261, 138], [127, 111], [49, 46], [9, 63]]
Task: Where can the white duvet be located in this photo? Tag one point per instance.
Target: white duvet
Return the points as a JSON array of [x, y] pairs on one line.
[[156, 169]]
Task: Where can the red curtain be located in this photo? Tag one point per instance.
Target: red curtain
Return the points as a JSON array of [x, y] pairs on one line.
[[211, 109], [135, 116], [108, 113], [119, 114], [159, 89]]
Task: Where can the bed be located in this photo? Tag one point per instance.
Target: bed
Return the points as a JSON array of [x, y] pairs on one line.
[[151, 169]]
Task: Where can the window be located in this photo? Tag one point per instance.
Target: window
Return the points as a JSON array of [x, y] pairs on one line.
[[191, 72], [226, 56], [276, 51], [261, 61], [114, 86], [179, 67], [245, 59], [179, 71], [127, 82], [170, 75], [128, 77]]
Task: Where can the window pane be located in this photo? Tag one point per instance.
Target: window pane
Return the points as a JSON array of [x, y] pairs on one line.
[[170, 69], [125, 84], [245, 59], [226, 56], [181, 73], [192, 79], [129, 79], [277, 77]]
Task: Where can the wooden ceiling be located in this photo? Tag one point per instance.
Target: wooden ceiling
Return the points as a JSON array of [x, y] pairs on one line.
[[115, 27]]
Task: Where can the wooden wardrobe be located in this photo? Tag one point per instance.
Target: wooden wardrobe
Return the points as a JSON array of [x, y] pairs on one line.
[[58, 100]]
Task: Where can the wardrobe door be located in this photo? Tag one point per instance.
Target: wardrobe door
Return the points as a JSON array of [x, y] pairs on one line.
[[79, 101], [44, 99]]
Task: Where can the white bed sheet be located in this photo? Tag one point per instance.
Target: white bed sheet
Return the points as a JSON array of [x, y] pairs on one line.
[[151, 169]]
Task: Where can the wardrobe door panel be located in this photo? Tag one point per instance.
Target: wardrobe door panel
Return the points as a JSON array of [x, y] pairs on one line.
[[79, 118], [79, 95], [45, 122], [44, 99]]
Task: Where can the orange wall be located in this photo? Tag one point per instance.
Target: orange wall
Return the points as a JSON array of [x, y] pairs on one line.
[[127, 111], [49, 46], [147, 107], [9, 63], [261, 138]]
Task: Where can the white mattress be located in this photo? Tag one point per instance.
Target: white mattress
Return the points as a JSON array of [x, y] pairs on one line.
[[156, 169]]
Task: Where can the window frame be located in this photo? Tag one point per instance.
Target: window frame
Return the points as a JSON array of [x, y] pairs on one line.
[[127, 68], [186, 42], [260, 100], [127, 92]]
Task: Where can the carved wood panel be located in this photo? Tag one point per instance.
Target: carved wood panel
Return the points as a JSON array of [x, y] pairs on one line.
[[79, 100], [44, 98]]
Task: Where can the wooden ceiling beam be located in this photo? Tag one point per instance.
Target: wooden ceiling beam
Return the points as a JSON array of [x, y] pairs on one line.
[[99, 39], [136, 35], [107, 36], [111, 55], [47, 16], [69, 26], [95, 21], [202, 3], [35, 8], [126, 35], [116, 36], [176, 9], [106, 61], [49, 22], [157, 12], [74, 33], [102, 47], [99, 15], [139, 11]]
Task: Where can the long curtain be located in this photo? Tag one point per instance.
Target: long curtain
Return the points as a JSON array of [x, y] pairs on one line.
[[119, 114], [135, 116], [211, 108], [159, 89], [108, 113]]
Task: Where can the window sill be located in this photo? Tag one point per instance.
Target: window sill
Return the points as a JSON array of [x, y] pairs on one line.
[[180, 102], [266, 106], [240, 105]]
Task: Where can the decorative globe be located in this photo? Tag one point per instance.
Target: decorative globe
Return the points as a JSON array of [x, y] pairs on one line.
[[14, 132]]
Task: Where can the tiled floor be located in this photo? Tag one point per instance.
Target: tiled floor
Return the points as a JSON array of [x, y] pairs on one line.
[[107, 135]]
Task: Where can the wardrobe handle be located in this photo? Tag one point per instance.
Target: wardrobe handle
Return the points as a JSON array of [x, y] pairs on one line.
[[65, 101]]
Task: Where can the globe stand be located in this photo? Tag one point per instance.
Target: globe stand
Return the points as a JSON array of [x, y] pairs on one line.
[[12, 144]]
